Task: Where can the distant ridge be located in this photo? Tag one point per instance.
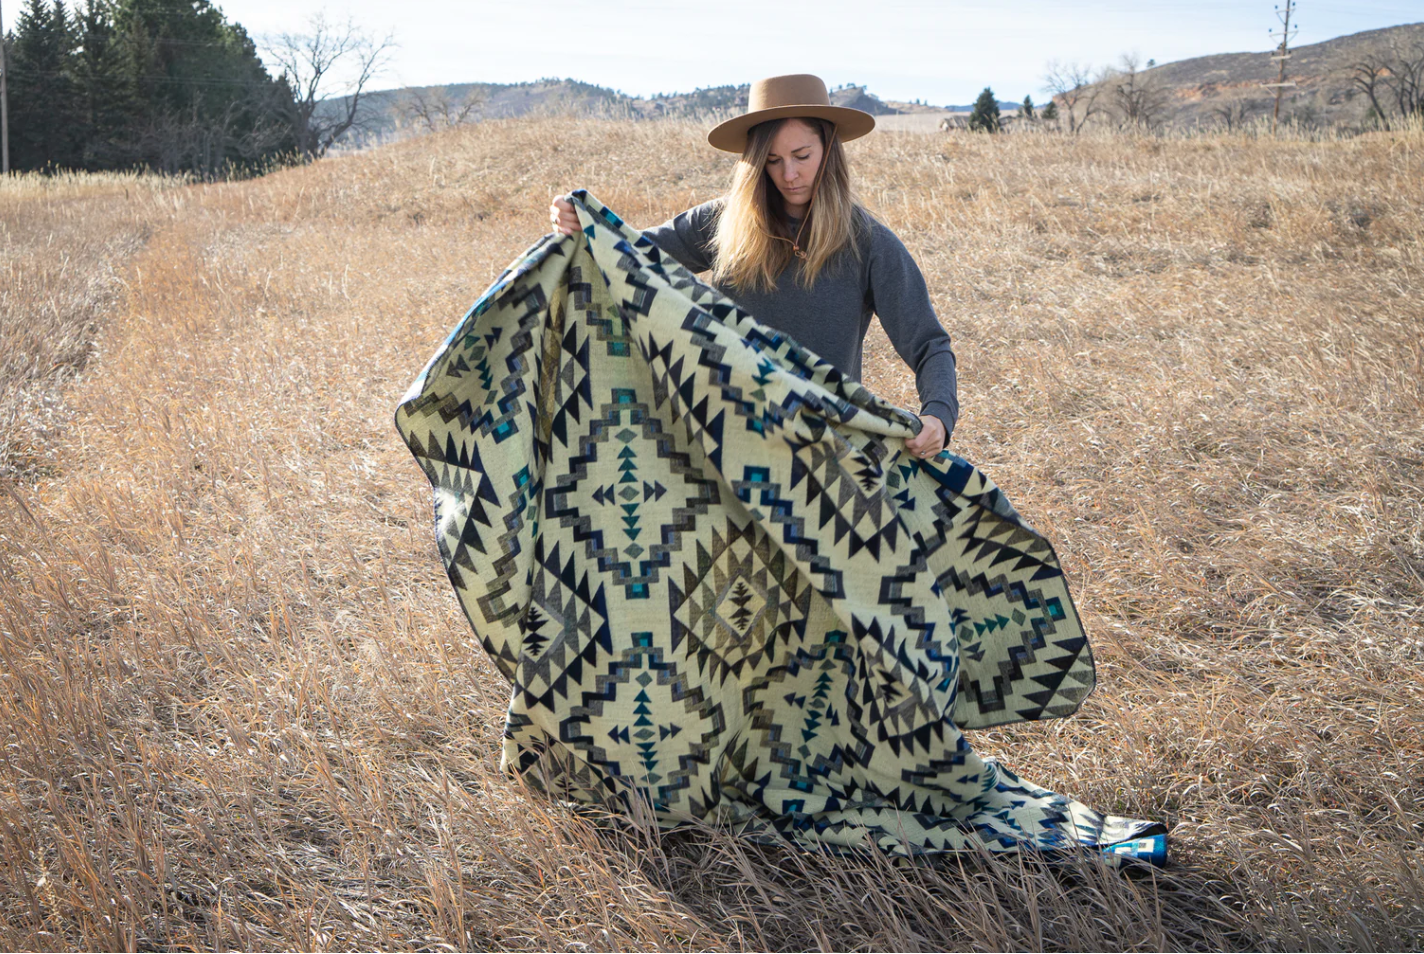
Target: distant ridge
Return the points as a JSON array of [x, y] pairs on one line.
[[734, 99], [398, 112], [1204, 85], [1201, 91]]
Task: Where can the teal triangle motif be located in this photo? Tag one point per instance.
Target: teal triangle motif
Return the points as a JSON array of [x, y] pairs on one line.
[[788, 521]]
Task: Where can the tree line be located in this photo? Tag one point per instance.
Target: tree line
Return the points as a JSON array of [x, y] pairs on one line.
[[1130, 95], [171, 86], [1127, 96]]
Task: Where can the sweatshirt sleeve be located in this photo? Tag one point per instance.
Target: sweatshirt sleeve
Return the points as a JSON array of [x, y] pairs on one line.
[[901, 300], [687, 236]]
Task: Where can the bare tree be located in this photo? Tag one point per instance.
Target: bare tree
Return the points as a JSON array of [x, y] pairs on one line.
[[1406, 77], [215, 132], [1138, 98], [1077, 87], [328, 69], [1394, 78], [1233, 113], [435, 109], [1368, 78]]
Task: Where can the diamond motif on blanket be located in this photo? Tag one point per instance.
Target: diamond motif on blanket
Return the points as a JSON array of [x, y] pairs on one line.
[[719, 585]]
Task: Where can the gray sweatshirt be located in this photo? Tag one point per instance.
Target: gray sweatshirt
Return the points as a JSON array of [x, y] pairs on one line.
[[832, 318]]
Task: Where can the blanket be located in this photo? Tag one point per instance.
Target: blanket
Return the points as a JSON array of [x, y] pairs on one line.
[[720, 587]]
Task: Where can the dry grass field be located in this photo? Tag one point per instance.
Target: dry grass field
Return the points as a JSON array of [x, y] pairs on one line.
[[239, 706]]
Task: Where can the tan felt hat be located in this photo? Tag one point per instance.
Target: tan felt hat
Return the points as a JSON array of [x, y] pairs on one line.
[[779, 97]]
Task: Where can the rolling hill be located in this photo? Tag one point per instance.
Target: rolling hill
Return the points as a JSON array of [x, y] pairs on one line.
[[396, 113], [1203, 86], [1202, 90]]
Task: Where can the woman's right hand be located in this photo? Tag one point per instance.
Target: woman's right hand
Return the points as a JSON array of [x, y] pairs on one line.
[[561, 213]]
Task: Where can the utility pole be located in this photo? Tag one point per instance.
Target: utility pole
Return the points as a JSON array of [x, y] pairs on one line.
[[1286, 32], [4, 102]]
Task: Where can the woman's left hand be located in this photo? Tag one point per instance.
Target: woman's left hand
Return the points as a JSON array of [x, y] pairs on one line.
[[930, 440]]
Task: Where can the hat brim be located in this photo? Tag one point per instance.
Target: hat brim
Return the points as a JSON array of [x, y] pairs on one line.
[[731, 136]]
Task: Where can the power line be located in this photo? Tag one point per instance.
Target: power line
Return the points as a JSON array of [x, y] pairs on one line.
[[165, 41], [1286, 32], [251, 84]]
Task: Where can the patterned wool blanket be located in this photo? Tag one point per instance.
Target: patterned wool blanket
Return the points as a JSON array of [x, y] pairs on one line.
[[718, 582]]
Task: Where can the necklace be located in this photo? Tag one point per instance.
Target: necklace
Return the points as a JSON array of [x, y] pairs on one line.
[[796, 248]]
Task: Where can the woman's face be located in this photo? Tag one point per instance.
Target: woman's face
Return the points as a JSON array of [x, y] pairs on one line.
[[792, 163]]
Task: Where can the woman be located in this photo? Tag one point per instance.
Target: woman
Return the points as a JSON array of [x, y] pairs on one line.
[[822, 618], [789, 243], [769, 619]]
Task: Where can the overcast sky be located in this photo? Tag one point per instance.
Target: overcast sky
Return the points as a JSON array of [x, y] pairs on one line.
[[941, 52]]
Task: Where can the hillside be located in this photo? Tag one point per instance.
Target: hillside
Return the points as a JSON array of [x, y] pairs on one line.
[[1203, 85], [729, 99], [1201, 89], [392, 113], [387, 114]]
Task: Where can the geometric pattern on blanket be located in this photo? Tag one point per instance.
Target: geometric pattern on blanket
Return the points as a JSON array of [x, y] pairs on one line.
[[719, 585]]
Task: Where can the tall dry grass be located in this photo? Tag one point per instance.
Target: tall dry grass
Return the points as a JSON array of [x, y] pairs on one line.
[[239, 706], [59, 276]]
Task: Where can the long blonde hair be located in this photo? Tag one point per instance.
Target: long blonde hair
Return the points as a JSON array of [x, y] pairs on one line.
[[753, 237]]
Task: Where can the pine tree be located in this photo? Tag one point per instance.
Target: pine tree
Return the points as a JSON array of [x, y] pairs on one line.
[[205, 101], [1050, 112], [986, 112], [166, 84], [1026, 109], [105, 93], [43, 103]]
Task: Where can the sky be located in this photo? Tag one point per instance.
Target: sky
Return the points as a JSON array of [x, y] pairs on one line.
[[940, 52]]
